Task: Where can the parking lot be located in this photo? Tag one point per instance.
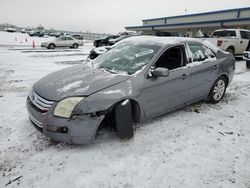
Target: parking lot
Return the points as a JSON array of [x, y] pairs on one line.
[[203, 144]]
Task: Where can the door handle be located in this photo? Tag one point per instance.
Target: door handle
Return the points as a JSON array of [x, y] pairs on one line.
[[184, 76]]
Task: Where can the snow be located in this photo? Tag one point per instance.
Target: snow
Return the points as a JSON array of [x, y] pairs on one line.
[[203, 145], [119, 91], [70, 86], [124, 103], [21, 39]]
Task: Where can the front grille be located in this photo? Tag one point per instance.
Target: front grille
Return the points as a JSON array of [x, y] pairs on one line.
[[39, 102]]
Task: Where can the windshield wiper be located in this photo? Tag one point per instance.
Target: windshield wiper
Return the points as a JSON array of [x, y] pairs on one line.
[[111, 71]]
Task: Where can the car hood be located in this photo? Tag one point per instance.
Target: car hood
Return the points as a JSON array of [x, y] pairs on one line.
[[80, 80]]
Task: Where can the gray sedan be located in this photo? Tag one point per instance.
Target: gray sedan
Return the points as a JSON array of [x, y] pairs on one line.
[[139, 79]]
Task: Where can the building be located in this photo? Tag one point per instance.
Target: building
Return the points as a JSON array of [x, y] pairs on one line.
[[191, 25]]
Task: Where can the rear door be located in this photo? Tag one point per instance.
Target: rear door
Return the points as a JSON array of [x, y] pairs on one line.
[[60, 42], [203, 68], [69, 42]]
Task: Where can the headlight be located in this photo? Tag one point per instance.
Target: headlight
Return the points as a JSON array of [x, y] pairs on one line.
[[66, 106]]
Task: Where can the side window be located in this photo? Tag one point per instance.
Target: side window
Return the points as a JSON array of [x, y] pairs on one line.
[[200, 52], [217, 34], [230, 34], [69, 38], [172, 58], [197, 52], [224, 34], [208, 53], [245, 34]]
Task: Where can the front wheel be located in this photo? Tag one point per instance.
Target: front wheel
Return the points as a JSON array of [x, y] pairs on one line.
[[124, 120], [218, 90], [248, 64]]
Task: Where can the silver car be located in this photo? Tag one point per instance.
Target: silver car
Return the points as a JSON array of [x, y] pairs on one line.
[[139, 79], [63, 42]]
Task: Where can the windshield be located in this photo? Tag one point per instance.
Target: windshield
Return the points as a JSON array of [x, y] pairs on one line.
[[128, 57]]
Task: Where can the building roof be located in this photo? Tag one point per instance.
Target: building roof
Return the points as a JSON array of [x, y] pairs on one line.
[[200, 14], [208, 19]]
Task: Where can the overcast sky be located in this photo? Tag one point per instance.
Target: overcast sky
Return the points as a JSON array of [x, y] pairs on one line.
[[102, 16]]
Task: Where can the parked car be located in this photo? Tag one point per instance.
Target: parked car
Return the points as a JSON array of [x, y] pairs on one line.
[[234, 41], [63, 42], [78, 37], [94, 53], [104, 41], [10, 30], [23, 30], [37, 34], [138, 79], [113, 41]]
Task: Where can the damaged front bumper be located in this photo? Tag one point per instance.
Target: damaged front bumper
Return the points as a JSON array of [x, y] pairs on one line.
[[80, 129]]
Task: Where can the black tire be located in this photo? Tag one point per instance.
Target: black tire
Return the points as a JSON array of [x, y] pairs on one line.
[[123, 120], [230, 50], [75, 45], [248, 64], [218, 90], [52, 46]]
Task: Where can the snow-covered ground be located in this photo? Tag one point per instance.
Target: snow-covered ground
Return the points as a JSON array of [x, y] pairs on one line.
[[20, 39], [203, 145], [23, 39]]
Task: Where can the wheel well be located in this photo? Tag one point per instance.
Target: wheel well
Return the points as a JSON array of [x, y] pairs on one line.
[[226, 77], [231, 47], [109, 120], [136, 111]]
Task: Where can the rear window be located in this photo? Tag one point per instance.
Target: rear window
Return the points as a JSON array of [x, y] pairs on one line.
[[224, 34]]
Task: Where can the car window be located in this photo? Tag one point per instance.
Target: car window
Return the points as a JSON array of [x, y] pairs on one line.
[[245, 34], [224, 34], [171, 58], [200, 52], [62, 39], [69, 38]]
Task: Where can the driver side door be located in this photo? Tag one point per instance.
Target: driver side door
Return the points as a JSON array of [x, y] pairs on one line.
[[163, 94]]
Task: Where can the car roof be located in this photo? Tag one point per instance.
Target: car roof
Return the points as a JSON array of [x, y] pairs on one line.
[[162, 40]]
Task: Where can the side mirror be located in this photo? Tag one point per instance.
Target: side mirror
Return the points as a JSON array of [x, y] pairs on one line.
[[160, 72]]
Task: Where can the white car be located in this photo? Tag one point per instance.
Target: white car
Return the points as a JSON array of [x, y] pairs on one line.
[[63, 42]]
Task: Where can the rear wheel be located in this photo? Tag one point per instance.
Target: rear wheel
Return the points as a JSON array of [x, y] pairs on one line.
[[124, 120], [218, 90], [75, 45], [52, 46]]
